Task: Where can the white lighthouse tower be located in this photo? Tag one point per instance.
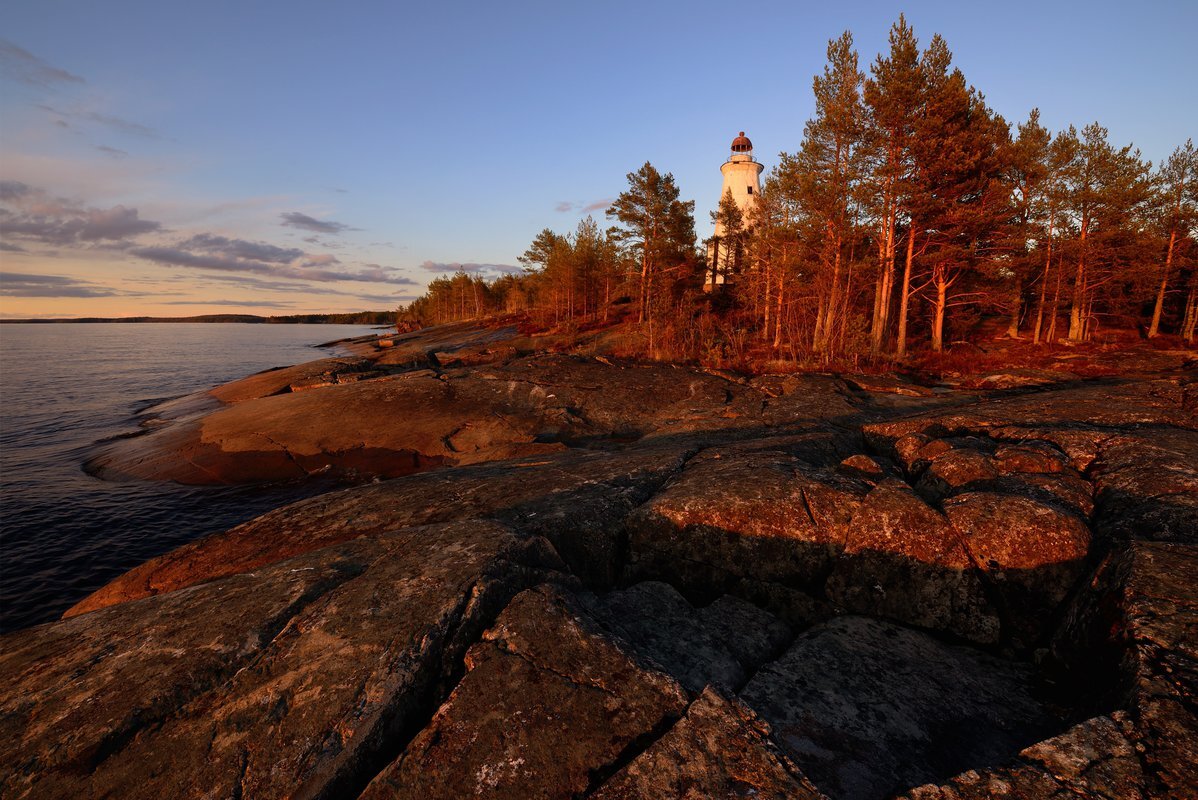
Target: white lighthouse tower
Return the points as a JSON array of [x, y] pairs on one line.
[[742, 179]]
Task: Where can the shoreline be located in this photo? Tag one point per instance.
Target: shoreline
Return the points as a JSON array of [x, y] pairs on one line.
[[557, 510]]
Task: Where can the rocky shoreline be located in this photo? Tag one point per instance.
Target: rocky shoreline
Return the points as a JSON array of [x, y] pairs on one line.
[[567, 575]]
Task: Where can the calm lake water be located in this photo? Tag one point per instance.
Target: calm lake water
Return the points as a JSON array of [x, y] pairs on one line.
[[63, 387]]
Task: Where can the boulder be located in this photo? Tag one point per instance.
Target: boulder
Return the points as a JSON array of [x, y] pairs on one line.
[[903, 560], [764, 513], [1033, 553]]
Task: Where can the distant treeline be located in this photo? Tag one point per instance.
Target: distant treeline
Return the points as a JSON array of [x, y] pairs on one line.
[[355, 318], [909, 213]]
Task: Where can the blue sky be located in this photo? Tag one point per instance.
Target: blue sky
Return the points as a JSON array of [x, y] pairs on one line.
[[187, 158]]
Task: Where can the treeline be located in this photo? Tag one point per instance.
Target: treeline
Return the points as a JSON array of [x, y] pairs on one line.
[[910, 212], [351, 318]]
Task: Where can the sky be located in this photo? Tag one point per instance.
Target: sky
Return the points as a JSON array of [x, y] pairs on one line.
[[173, 159]]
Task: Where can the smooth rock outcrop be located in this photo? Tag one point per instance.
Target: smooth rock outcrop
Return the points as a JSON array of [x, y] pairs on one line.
[[719, 749], [546, 706], [651, 581], [292, 680]]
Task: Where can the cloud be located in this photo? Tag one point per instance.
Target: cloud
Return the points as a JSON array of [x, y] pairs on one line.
[[22, 66], [294, 219], [566, 206], [598, 205], [12, 191], [12, 248], [291, 286], [48, 220], [112, 151], [116, 123], [213, 252], [474, 269], [18, 284], [243, 303]]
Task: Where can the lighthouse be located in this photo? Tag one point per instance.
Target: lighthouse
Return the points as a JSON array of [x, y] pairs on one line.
[[742, 179]]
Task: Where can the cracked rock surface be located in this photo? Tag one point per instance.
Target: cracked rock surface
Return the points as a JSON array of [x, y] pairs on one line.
[[597, 579]]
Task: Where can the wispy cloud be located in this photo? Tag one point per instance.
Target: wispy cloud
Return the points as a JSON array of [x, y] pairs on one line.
[[115, 152], [20, 65], [294, 219], [119, 124], [260, 284], [213, 252], [566, 206], [18, 284], [471, 268], [237, 303]]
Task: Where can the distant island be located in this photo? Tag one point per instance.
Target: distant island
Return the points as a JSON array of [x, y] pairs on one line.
[[354, 318]]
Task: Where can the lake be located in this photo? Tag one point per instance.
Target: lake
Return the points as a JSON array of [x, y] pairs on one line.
[[63, 387]]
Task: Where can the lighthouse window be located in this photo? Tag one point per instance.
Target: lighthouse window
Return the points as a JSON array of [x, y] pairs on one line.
[[750, 190]]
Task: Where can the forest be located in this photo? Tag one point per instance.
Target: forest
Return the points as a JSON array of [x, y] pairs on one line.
[[909, 217]]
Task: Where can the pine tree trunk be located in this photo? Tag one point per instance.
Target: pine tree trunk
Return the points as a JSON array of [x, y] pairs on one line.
[[1190, 323], [778, 314], [1016, 311], [938, 319], [904, 304], [766, 284], [1056, 303], [1155, 328], [1076, 311], [1043, 284]]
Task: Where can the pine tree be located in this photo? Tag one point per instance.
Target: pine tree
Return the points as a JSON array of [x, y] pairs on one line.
[[962, 201], [1107, 189], [831, 162], [654, 225], [728, 247], [892, 98], [1178, 196], [1028, 175]]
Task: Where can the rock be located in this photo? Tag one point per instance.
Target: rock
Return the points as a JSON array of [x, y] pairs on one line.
[[579, 500], [719, 749], [732, 514], [904, 561], [1096, 759], [886, 383], [548, 704], [1131, 635], [720, 644], [289, 680], [679, 526], [396, 425], [865, 708], [752, 635], [954, 470], [661, 627], [1021, 378], [864, 467], [1147, 485], [1032, 552], [1029, 457]]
